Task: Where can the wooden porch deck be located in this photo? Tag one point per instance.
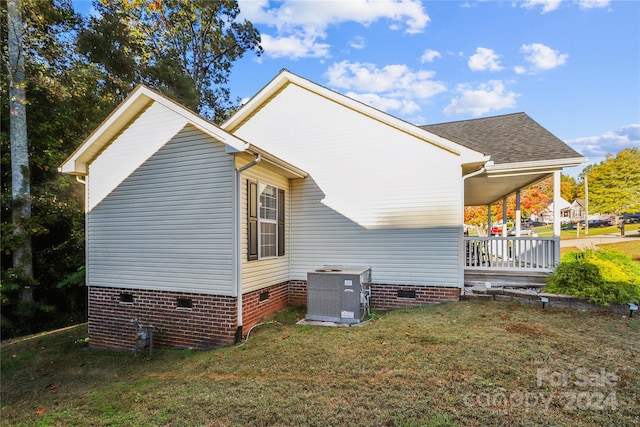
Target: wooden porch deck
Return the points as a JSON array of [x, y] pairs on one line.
[[509, 261]]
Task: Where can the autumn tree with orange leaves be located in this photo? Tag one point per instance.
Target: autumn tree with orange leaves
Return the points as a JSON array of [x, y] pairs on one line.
[[533, 200]]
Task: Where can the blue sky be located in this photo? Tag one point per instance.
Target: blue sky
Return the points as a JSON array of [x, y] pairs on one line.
[[572, 65]]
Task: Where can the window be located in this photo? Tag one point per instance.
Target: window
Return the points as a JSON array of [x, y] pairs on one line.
[[265, 212], [267, 220]]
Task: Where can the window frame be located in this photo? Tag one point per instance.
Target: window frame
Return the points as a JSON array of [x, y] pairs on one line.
[[263, 221], [256, 221]]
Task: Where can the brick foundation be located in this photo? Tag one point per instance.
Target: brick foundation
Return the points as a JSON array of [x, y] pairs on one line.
[[387, 297], [208, 321], [274, 298], [298, 292]]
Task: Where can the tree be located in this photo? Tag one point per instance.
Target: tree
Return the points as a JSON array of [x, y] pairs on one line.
[[182, 48], [533, 200], [20, 182], [570, 190], [614, 184], [63, 104]]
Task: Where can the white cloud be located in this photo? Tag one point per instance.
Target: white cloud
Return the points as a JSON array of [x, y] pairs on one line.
[[308, 20], [485, 97], [403, 106], [551, 5], [294, 47], [519, 69], [542, 57], [396, 79], [391, 88], [593, 4], [485, 60], [430, 55], [610, 142], [358, 42], [547, 5]]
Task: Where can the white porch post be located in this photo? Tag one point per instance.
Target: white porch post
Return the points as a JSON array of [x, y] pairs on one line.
[[504, 216], [489, 219], [556, 213], [517, 213]]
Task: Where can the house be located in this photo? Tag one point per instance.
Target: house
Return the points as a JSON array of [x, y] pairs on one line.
[[547, 213], [202, 230], [576, 211]]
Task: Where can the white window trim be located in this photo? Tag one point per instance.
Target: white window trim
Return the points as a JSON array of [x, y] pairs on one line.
[[267, 221]]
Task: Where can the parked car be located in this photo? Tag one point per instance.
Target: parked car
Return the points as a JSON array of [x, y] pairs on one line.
[[523, 232], [609, 220], [534, 224], [598, 223], [496, 230], [631, 218]]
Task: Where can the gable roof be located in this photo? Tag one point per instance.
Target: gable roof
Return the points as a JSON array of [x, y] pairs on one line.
[[511, 138], [138, 101], [285, 78]]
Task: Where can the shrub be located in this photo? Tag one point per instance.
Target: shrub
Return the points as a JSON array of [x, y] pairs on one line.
[[603, 277]]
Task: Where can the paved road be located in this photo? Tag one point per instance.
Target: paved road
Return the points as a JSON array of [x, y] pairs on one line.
[[586, 242]]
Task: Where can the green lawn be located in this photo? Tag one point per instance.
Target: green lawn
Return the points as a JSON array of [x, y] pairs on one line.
[[467, 363], [547, 231], [631, 248], [630, 229]]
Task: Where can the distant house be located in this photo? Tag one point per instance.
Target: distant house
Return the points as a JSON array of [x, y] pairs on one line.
[[547, 214], [576, 211], [203, 230]]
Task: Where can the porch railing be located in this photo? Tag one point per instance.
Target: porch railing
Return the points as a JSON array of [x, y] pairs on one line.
[[511, 253]]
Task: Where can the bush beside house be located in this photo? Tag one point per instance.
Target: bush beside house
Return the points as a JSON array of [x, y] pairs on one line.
[[603, 277]]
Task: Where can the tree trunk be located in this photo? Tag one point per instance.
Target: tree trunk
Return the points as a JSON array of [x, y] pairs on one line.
[[20, 183]]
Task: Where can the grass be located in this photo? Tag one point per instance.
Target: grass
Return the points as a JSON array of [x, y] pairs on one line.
[[547, 231], [629, 229], [631, 248], [468, 363]]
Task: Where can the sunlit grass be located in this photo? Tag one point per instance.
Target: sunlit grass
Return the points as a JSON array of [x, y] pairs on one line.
[[547, 231], [434, 365]]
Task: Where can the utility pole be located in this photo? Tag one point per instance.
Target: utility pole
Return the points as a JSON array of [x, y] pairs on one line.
[[586, 204]]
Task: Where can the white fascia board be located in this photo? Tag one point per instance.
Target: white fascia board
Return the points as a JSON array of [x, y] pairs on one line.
[[534, 166], [200, 122], [285, 78], [76, 163], [139, 100]]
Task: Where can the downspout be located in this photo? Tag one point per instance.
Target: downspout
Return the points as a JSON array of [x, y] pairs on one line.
[[237, 244], [461, 246]]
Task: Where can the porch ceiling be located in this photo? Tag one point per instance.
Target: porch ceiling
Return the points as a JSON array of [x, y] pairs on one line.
[[521, 153], [485, 188]]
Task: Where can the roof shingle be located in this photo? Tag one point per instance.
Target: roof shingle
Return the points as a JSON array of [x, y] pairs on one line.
[[511, 138]]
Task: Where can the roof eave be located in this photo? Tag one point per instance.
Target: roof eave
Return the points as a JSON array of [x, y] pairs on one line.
[[285, 78], [289, 170], [135, 104], [536, 166]]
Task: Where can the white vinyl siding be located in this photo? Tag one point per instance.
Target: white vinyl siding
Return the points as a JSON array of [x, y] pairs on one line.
[[169, 224], [150, 131], [375, 195], [261, 273]]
